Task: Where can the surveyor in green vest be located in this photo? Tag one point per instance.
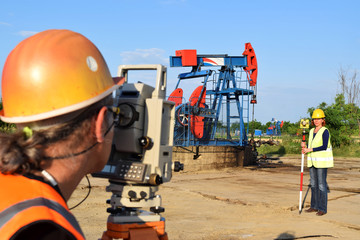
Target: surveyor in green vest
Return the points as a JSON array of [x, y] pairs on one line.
[[319, 159]]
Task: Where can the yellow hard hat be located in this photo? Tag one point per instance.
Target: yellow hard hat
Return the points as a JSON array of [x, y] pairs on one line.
[[318, 113], [52, 73]]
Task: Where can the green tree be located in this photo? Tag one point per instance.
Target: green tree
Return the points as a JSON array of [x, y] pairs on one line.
[[254, 125], [290, 128], [266, 126], [350, 88], [234, 126], [5, 127], [342, 125], [354, 115]]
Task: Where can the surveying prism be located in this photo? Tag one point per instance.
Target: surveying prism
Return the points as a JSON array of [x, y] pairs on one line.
[[141, 157], [304, 123]]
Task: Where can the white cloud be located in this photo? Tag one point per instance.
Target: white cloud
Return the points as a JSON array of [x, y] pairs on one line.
[[145, 56], [5, 24], [27, 33]]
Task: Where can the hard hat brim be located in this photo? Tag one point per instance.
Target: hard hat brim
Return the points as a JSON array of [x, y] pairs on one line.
[[118, 82]]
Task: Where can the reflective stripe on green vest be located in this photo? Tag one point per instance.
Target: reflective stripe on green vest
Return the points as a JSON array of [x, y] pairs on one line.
[[319, 159]]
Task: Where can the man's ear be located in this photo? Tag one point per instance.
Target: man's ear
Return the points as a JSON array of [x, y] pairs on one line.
[[100, 126]]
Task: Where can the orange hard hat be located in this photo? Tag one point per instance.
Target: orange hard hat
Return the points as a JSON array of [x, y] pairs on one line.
[[53, 73]]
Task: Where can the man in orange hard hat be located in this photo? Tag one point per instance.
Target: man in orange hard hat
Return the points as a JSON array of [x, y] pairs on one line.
[[56, 88]]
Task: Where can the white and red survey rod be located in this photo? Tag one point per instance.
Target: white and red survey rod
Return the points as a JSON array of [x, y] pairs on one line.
[[302, 172], [303, 124]]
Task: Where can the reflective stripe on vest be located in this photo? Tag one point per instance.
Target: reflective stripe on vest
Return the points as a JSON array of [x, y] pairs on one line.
[[319, 159], [10, 212], [27, 201]]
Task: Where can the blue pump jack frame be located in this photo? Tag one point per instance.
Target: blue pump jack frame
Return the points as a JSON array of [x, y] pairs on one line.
[[227, 76]]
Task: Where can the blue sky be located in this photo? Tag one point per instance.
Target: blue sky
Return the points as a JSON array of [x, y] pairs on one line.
[[300, 45]]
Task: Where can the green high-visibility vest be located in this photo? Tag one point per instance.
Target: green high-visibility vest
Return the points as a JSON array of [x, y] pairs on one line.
[[319, 159]]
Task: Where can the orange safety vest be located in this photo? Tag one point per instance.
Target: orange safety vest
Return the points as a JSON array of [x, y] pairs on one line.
[[24, 201]]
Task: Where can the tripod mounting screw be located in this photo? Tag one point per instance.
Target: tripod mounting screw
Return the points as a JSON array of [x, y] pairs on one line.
[[157, 209]]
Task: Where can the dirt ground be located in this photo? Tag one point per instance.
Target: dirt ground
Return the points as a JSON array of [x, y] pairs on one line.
[[256, 202]]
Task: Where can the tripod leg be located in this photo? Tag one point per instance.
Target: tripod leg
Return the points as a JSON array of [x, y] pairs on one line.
[[303, 203], [106, 237], [143, 233]]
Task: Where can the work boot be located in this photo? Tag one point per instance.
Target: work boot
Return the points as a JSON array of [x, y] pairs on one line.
[[311, 210], [320, 213]]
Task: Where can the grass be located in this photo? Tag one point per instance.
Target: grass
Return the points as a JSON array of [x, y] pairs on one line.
[[287, 145], [291, 145], [352, 150]]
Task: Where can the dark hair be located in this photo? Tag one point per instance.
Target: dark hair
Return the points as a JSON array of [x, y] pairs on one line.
[[19, 154]]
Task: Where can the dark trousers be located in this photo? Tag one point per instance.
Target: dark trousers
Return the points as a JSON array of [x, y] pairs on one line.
[[319, 194]]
